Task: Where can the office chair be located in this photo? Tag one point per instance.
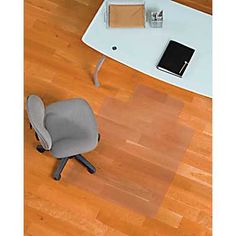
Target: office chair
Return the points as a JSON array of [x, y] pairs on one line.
[[65, 128]]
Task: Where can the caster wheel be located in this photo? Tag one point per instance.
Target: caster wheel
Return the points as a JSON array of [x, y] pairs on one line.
[[40, 149], [57, 178], [92, 171], [99, 137]]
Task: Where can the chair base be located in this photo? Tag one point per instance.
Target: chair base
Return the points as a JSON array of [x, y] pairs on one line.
[[62, 162], [60, 167], [91, 169]]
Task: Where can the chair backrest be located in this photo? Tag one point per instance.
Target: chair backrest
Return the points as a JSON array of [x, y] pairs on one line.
[[36, 113]]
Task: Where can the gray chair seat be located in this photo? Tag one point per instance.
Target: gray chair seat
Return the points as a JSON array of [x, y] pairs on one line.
[[71, 147], [65, 128], [72, 127]]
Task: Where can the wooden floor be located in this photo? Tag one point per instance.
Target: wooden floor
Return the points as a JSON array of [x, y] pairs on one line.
[[201, 5], [59, 66]]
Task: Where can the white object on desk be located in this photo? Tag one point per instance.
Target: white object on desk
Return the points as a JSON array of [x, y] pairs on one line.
[[156, 19], [142, 49]]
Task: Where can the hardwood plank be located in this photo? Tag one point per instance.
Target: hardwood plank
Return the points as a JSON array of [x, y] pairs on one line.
[[201, 5], [169, 217]]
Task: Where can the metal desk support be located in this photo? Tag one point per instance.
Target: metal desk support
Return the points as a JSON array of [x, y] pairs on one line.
[[98, 67]]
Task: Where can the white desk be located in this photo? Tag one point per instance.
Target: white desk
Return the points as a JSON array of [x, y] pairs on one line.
[[142, 48]]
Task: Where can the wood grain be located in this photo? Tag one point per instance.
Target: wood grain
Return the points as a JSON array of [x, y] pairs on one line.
[[59, 66], [201, 5]]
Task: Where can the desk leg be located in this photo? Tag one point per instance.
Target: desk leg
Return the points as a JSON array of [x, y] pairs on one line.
[[98, 67]]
